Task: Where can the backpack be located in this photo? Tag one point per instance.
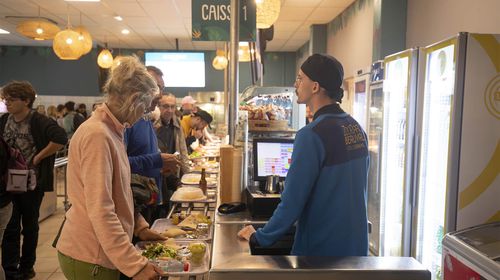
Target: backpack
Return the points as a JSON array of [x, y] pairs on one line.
[[18, 177]]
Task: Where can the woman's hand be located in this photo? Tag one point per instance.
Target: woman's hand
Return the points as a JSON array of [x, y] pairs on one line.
[[246, 232], [149, 272], [150, 235]]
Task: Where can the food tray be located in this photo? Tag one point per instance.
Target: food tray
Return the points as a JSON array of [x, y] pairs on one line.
[[194, 270], [161, 225], [210, 199], [194, 179]]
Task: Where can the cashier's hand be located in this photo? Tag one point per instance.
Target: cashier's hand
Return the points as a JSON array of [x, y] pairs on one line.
[[149, 272], [246, 232], [148, 234]]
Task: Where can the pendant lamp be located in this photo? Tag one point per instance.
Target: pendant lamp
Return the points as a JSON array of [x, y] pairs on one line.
[[267, 12], [105, 58], [85, 39], [220, 60], [66, 44], [243, 52], [37, 29]]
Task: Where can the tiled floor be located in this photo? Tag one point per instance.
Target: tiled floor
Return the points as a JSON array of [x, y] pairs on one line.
[[47, 266]]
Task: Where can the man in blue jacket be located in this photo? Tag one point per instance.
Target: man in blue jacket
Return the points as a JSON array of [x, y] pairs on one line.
[[325, 189]]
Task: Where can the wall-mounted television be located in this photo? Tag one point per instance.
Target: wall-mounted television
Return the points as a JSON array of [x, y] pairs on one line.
[[180, 69]]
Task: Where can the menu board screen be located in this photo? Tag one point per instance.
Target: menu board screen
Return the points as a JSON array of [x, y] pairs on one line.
[[180, 69]]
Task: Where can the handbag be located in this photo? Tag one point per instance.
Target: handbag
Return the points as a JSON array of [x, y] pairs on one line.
[[20, 178], [144, 190]]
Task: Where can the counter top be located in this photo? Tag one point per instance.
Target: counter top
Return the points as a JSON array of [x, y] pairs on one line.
[[231, 259]]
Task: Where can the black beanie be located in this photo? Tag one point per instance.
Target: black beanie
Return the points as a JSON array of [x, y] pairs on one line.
[[327, 72]]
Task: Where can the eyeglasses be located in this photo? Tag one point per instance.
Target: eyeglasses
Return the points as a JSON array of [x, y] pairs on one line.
[[11, 99], [167, 106]]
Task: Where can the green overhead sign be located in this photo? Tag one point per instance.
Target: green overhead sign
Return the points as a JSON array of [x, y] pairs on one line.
[[211, 20]]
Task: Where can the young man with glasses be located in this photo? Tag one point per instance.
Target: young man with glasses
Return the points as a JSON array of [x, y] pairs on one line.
[[325, 188], [38, 138]]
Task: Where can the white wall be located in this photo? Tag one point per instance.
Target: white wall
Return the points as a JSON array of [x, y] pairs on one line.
[[352, 46], [430, 21]]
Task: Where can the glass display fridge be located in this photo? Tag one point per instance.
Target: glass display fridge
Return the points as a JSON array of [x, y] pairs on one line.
[[394, 157], [458, 134], [374, 132], [361, 98]]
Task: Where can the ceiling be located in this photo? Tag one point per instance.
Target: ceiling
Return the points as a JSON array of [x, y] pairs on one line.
[[155, 24]]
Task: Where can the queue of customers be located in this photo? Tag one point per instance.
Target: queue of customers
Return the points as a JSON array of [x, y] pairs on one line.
[[120, 144]]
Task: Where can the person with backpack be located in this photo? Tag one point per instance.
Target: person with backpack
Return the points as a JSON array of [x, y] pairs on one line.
[[5, 197], [37, 138], [72, 119]]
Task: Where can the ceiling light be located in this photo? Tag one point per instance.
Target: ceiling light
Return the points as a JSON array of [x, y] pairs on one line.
[[267, 12], [125, 31], [220, 61], [2, 31], [85, 38], [66, 45], [82, 0], [118, 18], [105, 58], [37, 29]]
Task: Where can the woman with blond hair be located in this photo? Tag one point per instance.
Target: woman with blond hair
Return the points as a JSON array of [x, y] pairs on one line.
[[96, 239], [52, 112]]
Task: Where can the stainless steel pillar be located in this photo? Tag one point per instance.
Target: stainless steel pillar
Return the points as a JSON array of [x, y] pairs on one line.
[[233, 70]]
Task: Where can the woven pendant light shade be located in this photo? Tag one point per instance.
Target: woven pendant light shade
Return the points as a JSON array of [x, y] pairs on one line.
[[85, 39], [38, 29], [267, 12], [243, 52], [105, 59], [220, 60], [67, 46]]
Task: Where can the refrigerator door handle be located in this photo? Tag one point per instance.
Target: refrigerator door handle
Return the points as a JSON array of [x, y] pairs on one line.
[[379, 163], [414, 190]]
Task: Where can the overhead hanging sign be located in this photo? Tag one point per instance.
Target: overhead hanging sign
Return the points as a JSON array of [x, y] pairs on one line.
[[211, 20]]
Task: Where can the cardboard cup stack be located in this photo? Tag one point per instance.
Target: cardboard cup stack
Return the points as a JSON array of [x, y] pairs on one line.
[[231, 165]]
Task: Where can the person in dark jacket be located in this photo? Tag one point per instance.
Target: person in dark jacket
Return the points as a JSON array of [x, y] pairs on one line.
[[38, 138], [5, 197]]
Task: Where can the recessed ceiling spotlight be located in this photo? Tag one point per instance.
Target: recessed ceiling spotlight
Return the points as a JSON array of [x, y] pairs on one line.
[[2, 31], [125, 31], [82, 0], [118, 18]]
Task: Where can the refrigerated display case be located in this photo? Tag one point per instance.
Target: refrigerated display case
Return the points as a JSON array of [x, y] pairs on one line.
[[472, 253], [396, 161], [374, 132], [458, 153], [361, 98]]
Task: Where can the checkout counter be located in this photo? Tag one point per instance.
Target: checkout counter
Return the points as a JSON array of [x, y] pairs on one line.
[[232, 259]]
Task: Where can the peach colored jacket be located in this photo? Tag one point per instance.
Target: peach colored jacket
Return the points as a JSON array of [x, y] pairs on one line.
[[100, 223]]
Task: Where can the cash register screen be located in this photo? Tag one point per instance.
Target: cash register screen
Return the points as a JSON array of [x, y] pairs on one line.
[[269, 153]]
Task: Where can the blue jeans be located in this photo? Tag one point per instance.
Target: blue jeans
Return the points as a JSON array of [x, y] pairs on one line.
[[5, 213]]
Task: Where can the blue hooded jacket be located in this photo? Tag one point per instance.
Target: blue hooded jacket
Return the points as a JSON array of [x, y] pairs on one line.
[[325, 189]]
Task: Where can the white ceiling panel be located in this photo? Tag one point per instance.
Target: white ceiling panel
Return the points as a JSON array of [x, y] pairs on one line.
[[156, 23], [294, 13], [301, 3], [324, 15], [336, 3]]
